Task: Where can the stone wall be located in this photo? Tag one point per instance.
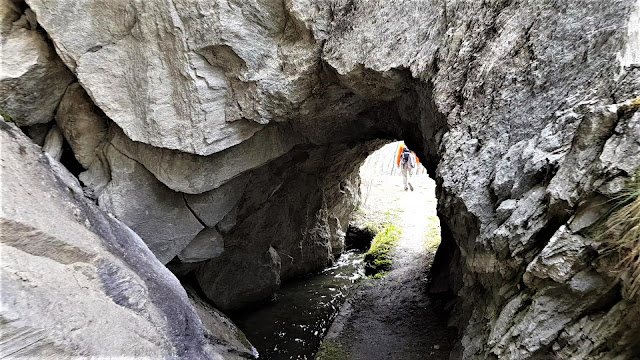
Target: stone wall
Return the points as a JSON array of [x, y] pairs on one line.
[[77, 282], [228, 135]]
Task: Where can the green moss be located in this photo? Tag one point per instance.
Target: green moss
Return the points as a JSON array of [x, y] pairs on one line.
[[375, 221], [378, 258], [379, 275], [330, 350], [382, 263], [432, 236], [6, 116]]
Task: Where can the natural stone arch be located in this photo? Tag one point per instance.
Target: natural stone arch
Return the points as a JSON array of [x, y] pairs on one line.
[[520, 109], [295, 210]]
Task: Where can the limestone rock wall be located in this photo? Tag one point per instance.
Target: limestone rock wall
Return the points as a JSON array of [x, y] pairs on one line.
[[32, 77], [77, 282], [228, 135], [536, 129], [305, 187]]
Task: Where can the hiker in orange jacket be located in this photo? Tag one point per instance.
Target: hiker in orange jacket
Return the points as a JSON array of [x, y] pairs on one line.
[[407, 161]]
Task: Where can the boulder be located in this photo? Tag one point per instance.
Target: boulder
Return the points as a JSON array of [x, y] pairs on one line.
[[212, 206], [158, 214], [53, 143], [230, 340], [97, 177], [208, 172], [240, 278], [32, 77], [71, 274], [210, 72], [82, 123], [208, 244], [359, 238], [10, 12]]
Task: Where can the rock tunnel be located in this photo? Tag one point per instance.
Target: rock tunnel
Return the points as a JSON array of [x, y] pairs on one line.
[[226, 137]]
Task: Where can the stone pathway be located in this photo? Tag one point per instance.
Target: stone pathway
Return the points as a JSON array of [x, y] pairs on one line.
[[394, 318]]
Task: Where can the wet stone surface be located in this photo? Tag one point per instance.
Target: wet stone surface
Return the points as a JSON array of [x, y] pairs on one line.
[[293, 323], [395, 317]]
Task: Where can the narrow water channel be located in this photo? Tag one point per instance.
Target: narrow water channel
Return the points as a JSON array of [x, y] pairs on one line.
[[292, 325]]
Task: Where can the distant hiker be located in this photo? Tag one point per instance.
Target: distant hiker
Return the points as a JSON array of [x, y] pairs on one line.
[[407, 161]]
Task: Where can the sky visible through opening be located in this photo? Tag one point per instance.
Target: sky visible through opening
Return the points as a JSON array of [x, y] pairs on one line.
[[383, 198]]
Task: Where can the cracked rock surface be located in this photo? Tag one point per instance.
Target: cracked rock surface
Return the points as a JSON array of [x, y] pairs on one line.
[[228, 135], [71, 274]]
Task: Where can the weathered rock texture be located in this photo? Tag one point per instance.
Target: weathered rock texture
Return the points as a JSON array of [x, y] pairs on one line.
[[77, 282], [232, 134], [152, 210], [83, 124], [32, 77]]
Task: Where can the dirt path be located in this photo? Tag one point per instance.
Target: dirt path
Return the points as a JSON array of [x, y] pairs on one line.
[[394, 318]]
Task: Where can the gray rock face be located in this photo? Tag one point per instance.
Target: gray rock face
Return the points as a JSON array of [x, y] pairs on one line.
[[160, 216], [69, 268], [32, 77], [528, 118], [53, 143], [208, 172], [208, 244], [209, 73], [82, 123], [559, 259], [256, 116]]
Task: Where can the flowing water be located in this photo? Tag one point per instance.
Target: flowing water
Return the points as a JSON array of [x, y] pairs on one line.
[[292, 325]]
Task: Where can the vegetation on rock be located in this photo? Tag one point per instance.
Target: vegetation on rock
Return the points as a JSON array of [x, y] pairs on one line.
[[6, 116], [331, 351], [622, 229], [378, 258], [432, 236], [635, 104]]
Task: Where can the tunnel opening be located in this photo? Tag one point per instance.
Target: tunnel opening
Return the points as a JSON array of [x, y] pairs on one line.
[[288, 223], [286, 234], [235, 161], [293, 322]]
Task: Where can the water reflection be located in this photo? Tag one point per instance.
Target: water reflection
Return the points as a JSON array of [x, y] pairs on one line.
[[293, 324]]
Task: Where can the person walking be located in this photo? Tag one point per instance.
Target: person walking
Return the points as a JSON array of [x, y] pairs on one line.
[[407, 161]]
